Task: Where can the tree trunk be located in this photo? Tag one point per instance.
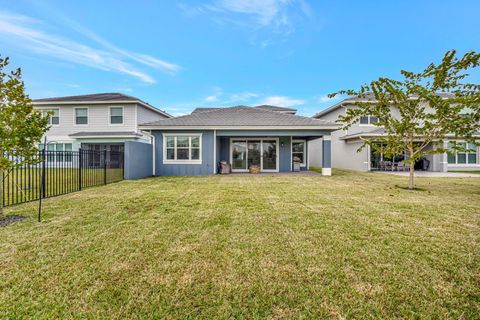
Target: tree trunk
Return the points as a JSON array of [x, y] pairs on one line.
[[411, 178], [1, 192]]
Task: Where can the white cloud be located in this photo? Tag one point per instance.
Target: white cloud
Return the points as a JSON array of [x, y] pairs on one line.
[[325, 98], [26, 33], [282, 101], [274, 14], [212, 98], [241, 97]]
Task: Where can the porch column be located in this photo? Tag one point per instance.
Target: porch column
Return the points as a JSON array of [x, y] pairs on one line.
[[327, 156], [444, 159]]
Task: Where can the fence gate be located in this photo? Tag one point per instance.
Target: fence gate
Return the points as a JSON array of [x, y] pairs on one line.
[[55, 173]]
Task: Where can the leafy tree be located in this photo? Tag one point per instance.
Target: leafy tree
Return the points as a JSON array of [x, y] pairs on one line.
[[21, 127], [432, 105]]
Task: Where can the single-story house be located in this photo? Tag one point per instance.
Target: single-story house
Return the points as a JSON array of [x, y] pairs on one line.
[[271, 137]]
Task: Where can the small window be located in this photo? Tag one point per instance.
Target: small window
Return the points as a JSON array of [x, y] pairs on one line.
[[81, 116], [54, 118], [182, 148], [116, 115], [368, 120]]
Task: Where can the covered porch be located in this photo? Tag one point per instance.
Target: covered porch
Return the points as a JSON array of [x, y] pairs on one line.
[[272, 151]]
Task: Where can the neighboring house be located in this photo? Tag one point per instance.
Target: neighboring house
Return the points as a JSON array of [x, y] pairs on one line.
[[345, 144], [103, 121], [268, 136]]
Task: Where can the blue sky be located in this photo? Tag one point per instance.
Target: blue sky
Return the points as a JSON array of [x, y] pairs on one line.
[[186, 54]]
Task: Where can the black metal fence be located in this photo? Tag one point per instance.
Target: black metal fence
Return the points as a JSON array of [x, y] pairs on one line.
[[56, 173]]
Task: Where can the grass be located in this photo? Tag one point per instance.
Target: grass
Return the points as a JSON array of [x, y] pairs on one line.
[[315, 169], [22, 185], [284, 246], [467, 171]]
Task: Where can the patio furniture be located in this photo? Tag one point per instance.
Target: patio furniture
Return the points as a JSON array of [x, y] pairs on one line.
[[388, 165], [254, 169], [401, 166], [225, 168], [296, 164]]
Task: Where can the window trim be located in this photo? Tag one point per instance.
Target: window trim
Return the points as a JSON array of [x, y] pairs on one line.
[[369, 124], [110, 116], [466, 164], [45, 110], [75, 117], [175, 161], [304, 163]]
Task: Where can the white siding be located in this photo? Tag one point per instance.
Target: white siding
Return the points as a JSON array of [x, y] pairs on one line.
[[98, 119], [145, 115]]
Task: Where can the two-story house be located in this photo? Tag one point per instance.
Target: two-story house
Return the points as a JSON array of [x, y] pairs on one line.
[[102, 121], [345, 145]]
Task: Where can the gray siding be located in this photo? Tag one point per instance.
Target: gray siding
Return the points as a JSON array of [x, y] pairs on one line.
[[138, 160], [205, 168], [285, 154]]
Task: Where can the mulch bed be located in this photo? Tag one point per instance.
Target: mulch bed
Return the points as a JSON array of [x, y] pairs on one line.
[[5, 221]]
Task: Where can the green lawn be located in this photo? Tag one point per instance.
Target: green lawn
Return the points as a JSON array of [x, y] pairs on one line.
[[467, 171], [285, 246]]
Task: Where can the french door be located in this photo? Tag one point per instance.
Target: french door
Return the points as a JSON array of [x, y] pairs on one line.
[[252, 151]]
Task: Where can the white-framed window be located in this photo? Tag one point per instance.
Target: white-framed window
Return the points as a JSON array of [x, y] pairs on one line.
[[462, 157], [58, 152], [182, 148], [81, 116], [54, 118], [299, 151], [368, 120], [116, 115]]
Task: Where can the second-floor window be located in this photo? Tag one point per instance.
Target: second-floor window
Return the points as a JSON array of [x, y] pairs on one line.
[[116, 115], [81, 116], [368, 120], [54, 118]]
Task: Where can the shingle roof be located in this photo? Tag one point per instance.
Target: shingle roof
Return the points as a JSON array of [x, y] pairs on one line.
[[240, 116], [91, 97], [99, 98], [264, 107], [374, 132], [368, 97], [104, 134], [275, 108]]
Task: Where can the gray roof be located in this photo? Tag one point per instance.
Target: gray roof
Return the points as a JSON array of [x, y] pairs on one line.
[[91, 98], [368, 97], [240, 116], [99, 98], [105, 134], [276, 108], [264, 107], [374, 132]]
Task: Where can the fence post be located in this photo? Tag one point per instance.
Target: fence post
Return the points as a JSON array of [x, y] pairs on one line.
[[80, 164], [44, 170], [105, 166]]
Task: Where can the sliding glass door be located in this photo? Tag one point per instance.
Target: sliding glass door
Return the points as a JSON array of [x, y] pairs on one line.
[[269, 155], [253, 151]]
